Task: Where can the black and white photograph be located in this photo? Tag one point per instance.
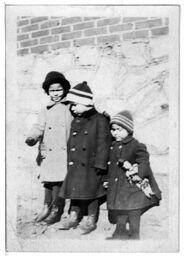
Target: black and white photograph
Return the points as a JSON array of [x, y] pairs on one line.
[[92, 128]]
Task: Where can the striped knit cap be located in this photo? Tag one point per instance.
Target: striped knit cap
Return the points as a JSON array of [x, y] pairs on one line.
[[81, 93], [124, 119]]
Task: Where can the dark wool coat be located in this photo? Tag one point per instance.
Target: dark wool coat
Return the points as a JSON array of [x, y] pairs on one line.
[[121, 194], [88, 149]]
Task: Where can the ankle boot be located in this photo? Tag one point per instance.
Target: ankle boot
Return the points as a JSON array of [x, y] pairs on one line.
[[89, 225], [55, 215], [71, 222], [44, 213]]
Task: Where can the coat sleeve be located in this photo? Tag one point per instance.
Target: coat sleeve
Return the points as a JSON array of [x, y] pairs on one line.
[[103, 143], [38, 128], [142, 159]]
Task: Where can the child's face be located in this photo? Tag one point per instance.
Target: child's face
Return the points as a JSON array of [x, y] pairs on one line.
[[118, 132], [78, 109], [56, 92]]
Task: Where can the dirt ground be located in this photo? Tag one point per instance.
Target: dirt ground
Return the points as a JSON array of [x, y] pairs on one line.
[[31, 236]]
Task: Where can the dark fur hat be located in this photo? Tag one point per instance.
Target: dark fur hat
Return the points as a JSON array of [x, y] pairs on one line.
[[55, 77]]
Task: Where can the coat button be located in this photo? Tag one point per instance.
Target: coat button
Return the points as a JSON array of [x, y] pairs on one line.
[[120, 146], [111, 148], [74, 133], [116, 179], [70, 163], [72, 149], [109, 162], [86, 132]]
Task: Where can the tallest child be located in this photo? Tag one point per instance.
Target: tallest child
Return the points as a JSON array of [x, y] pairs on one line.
[[50, 131]]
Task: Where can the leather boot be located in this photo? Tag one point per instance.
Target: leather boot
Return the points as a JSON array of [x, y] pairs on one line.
[[44, 213], [89, 225], [55, 215], [71, 222]]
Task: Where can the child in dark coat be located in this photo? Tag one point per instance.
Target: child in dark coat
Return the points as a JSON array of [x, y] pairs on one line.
[[88, 153], [132, 188], [50, 131]]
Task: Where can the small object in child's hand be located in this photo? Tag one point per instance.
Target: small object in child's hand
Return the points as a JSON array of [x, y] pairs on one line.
[[106, 184]]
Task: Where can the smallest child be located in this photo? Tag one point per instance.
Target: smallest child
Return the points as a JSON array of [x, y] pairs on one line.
[[132, 188]]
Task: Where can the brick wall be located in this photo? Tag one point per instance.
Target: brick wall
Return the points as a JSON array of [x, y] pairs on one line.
[[36, 35]]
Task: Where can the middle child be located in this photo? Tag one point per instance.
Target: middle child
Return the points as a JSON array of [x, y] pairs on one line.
[[88, 153]]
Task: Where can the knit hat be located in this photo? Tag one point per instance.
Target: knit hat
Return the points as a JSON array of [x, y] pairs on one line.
[[124, 119], [55, 77], [81, 93]]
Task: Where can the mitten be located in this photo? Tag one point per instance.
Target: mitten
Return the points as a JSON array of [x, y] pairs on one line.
[[100, 171], [30, 141]]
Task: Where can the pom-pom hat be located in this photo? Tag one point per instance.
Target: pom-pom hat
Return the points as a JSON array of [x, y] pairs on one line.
[[124, 119], [81, 94]]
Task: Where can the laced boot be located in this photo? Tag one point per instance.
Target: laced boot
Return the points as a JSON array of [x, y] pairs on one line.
[[71, 222]]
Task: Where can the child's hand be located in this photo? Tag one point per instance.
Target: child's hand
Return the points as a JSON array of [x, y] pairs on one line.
[[146, 188], [105, 184], [30, 141], [99, 171], [148, 192]]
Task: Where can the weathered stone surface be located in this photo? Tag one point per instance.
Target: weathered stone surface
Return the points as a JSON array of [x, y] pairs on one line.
[[86, 55], [137, 53], [159, 46]]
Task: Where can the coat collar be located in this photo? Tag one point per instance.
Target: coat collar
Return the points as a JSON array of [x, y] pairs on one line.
[[51, 103], [125, 141], [86, 114]]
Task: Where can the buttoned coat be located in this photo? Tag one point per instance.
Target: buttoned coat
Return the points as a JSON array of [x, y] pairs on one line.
[[122, 195], [51, 131], [88, 150]]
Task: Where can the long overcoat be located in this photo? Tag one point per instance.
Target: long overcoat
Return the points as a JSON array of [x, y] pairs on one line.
[[88, 149], [52, 130], [122, 195]]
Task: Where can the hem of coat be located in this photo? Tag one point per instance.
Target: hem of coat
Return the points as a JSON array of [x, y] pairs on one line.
[[82, 198], [143, 208]]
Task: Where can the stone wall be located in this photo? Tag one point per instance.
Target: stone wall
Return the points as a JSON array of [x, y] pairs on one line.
[[125, 61]]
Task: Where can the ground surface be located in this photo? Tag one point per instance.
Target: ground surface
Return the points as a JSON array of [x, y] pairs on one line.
[[32, 237]]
